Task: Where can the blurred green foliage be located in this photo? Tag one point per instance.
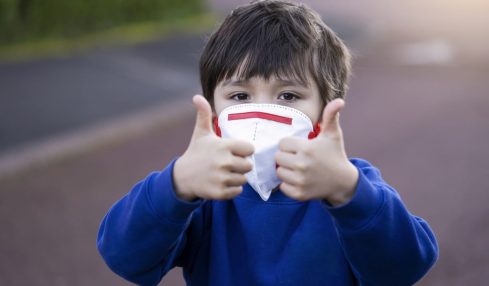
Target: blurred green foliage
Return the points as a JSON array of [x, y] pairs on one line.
[[24, 20]]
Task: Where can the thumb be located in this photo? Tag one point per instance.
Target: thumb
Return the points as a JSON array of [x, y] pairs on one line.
[[330, 124], [203, 122]]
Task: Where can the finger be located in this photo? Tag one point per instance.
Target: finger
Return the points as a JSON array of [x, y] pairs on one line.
[[330, 121], [240, 147], [290, 144], [231, 192], [234, 180], [225, 193], [292, 192], [240, 165], [284, 159], [203, 122], [288, 176]]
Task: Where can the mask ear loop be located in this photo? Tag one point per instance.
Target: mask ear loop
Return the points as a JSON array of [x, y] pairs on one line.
[[217, 130], [315, 132]]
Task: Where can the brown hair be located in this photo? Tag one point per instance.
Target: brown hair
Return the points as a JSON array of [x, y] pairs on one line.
[[276, 38]]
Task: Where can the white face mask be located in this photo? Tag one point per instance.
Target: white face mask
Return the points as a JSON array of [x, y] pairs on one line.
[[263, 125]]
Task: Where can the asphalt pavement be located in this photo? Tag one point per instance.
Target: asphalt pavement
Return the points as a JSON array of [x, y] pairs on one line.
[[48, 97]]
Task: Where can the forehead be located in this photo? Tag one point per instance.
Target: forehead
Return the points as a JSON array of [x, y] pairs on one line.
[[272, 80], [251, 71], [294, 67]]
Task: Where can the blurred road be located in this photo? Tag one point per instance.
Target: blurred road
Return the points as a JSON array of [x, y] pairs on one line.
[[417, 109], [52, 96]]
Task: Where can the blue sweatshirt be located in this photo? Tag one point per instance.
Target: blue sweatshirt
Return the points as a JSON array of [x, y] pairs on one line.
[[371, 240]]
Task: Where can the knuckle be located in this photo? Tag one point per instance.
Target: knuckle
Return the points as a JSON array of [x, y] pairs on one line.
[[301, 181], [301, 166], [218, 193], [280, 173], [248, 167], [233, 180], [216, 164], [233, 192], [220, 196], [277, 156], [226, 181], [247, 147], [218, 181], [308, 150], [225, 164], [223, 180], [285, 175], [242, 179], [225, 145], [244, 164], [282, 144]]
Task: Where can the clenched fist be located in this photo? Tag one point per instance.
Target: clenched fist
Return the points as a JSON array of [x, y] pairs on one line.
[[318, 168], [211, 167]]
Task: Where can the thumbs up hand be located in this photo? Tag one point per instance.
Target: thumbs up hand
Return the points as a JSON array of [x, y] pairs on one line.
[[318, 168], [211, 167]]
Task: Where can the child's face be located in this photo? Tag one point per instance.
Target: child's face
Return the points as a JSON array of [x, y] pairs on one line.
[[275, 91]]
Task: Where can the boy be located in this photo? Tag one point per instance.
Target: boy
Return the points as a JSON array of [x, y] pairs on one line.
[[268, 196]]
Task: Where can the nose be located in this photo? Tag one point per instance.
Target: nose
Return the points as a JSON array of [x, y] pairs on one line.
[[264, 98]]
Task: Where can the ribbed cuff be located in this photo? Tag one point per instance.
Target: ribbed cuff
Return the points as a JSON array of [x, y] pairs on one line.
[[361, 209], [164, 200]]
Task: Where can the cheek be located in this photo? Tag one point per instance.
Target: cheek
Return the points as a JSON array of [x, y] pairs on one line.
[[218, 103], [314, 112], [314, 107], [221, 105], [319, 114]]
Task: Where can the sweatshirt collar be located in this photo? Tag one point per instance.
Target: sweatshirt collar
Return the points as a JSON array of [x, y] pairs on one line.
[[275, 197]]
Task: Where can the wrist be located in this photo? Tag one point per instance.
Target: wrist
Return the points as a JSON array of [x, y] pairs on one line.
[[346, 186], [182, 191]]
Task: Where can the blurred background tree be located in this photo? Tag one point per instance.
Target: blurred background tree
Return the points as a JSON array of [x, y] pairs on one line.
[[27, 20]]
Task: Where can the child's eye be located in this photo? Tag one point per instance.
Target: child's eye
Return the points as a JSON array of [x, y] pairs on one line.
[[288, 96], [240, 96]]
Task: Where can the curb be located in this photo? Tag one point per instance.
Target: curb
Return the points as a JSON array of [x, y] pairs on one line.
[[69, 145]]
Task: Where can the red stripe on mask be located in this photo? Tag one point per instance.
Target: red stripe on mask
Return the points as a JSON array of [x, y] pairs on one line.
[[262, 115], [217, 130]]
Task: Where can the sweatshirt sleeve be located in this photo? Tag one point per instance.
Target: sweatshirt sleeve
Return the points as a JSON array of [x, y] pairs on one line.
[[143, 234], [384, 243]]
